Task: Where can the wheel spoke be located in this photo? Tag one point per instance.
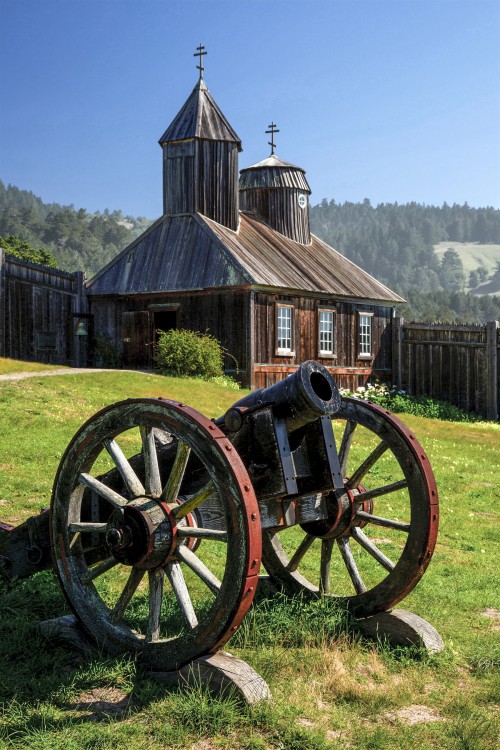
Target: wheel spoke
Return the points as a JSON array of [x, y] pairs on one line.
[[99, 569], [180, 511], [299, 553], [198, 567], [350, 563], [171, 491], [156, 577], [326, 556], [134, 579], [132, 481], [102, 490], [387, 523], [186, 532], [151, 468], [84, 527], [367, 465], [176, 578], [385, 490], [345, 445], [374, 551]]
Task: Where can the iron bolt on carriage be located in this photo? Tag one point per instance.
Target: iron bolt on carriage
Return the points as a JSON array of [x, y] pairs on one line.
[[160, 518]]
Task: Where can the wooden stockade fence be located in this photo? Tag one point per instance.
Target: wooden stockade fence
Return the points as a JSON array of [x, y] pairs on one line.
[[455, 363], [41, 311]]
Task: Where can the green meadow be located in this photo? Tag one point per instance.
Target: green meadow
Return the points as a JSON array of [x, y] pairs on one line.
[[331, 688]]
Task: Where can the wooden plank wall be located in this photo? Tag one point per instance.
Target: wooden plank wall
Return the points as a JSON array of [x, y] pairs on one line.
[[455, 363], [224, 314], [348, 369], [36, 300]]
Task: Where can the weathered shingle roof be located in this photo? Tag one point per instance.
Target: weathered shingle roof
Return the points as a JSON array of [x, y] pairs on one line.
[[176, 252], [194, 252], [200, 117], [274, 260]]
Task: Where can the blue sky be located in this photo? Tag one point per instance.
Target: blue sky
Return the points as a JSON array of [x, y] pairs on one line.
[[391, 100]]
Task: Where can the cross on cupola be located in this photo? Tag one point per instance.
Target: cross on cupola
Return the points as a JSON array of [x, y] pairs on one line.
[[273, 130], [200, 54]]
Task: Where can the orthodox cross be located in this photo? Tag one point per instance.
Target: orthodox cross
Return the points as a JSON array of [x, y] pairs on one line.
[[272, 131], [200, 54]]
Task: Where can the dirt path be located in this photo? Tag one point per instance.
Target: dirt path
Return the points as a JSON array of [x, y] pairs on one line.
[[65, 371]]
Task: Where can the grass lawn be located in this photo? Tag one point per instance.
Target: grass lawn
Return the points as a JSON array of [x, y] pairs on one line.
[[331, 689], [15, 365]]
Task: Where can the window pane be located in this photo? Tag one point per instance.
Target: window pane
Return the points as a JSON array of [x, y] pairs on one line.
[[365, 334], [285, 328], [326, 332]]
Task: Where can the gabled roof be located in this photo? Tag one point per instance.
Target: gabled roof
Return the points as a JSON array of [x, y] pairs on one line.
[[200, 117], [194, 252], [176, 252], [273, 260]]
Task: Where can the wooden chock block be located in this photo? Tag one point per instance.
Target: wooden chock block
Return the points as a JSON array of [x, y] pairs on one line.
[[402, 628]]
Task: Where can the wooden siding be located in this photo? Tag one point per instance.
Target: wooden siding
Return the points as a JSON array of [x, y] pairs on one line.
[[224, 314], [202, 175], [455, 363], [349, 370], [36, 303], [281, 210]]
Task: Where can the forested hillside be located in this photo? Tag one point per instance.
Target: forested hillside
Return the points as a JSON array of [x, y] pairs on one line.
[[395, 243], [79, 241]]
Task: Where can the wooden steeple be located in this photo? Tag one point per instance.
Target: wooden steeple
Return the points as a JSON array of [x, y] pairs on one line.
[[278, 192], [200, 159]]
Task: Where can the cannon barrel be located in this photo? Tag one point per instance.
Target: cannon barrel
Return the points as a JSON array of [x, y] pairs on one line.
[[310, 392]]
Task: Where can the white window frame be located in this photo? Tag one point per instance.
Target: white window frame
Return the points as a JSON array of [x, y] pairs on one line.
[[282, 329], [324, 352], [365, 334]]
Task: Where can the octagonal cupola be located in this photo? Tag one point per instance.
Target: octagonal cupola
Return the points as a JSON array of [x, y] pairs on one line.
[[278, 192], [200, 159]]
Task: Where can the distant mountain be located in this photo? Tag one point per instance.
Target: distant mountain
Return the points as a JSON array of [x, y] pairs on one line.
[[431, 255]]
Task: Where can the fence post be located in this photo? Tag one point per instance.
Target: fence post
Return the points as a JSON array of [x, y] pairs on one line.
[[397, 346], [492, 369]]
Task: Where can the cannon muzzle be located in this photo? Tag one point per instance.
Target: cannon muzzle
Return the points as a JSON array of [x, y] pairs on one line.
[[310, 392]]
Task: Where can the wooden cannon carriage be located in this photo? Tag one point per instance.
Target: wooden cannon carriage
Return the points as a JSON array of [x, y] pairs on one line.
[[160, 517]]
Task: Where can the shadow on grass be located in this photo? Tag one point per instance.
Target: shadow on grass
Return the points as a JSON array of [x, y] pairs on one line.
[[49, 688]]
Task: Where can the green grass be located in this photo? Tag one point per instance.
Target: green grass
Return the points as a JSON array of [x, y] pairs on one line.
[[8, 366], [472, 254], [331, 688]]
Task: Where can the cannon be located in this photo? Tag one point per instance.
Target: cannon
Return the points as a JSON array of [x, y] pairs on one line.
[[160, 517]]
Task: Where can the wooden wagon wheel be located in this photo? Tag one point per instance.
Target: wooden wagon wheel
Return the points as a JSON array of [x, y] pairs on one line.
[[381, 530], [142, 483]]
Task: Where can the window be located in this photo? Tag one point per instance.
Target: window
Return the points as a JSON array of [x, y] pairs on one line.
[[326, 332], [365, 334], [284, 329]]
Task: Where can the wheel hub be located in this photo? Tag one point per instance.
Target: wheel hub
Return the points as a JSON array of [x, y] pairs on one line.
[[342, 508], [143, 534]]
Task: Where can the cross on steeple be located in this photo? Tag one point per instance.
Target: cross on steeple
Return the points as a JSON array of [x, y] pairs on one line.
[[200, 54], [272, 131]]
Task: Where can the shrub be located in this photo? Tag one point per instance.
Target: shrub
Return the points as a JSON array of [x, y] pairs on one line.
[[421, 406], [181, 352]]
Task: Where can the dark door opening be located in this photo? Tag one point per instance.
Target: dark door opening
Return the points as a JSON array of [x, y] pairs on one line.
[[164, 320]]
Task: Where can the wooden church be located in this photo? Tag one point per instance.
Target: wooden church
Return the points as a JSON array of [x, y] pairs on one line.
[[233, 255]]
